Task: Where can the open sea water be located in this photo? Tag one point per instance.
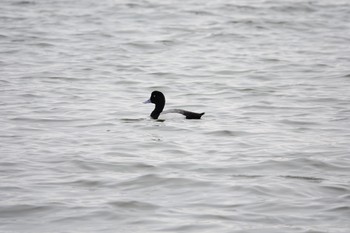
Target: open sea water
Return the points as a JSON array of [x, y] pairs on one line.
[[79, 153]]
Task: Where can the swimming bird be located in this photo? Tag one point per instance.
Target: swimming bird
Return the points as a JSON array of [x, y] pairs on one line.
[[158, 99]]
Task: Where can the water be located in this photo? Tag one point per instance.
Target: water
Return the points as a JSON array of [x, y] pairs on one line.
[[80, 154]]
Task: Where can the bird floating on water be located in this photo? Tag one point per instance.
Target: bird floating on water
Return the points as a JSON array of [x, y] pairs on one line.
[[158, 99]]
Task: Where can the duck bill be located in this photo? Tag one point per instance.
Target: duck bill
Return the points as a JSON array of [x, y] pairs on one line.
[[147, 101]]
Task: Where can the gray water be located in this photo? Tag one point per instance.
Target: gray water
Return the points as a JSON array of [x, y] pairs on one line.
[[80, 154]]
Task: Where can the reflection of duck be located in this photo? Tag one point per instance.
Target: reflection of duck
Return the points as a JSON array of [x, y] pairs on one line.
[[158, 99]]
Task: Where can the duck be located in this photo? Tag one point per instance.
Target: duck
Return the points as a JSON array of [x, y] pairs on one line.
[[158, 99]]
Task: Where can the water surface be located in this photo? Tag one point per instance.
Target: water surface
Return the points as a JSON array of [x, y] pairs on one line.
[[80, 154]]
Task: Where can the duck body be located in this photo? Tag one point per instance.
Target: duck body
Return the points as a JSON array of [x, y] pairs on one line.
[[158, 99]]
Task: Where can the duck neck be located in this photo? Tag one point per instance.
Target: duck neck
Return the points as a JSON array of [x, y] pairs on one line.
[[157, 110]]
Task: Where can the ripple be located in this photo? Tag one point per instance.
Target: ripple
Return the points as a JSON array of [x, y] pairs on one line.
[[150, 180], [133, 205], [226, 133], [132, 120], [44, 120], [24, 3], [10, 211], [313, 179], [299, 123], [42, 44]]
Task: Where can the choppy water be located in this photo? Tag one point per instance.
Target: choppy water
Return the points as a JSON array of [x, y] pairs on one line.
[[80, 154]]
